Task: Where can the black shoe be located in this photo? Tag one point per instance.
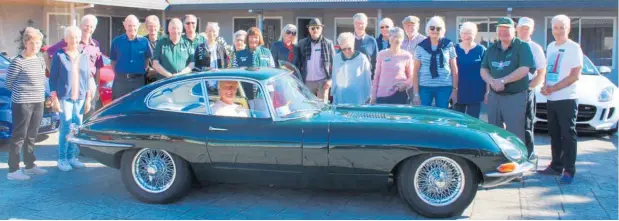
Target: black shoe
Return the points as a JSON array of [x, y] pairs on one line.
[[549, 172]]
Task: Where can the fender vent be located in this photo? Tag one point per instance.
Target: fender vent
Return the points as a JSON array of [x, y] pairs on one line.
[[362, 114]]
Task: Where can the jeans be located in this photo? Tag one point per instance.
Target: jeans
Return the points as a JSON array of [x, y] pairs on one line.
[[562, 129], [400, 97], [470, 109], [72, 113], [528, 124], [438, 95], [26, 122]]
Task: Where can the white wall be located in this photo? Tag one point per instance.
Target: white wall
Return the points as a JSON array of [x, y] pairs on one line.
[[13, 18]]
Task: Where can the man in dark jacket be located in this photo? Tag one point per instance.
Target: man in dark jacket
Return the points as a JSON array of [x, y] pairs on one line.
[[314, 60]]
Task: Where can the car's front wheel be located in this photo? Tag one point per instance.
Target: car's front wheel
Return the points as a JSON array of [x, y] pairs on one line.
[[155, 176], [437, 186]]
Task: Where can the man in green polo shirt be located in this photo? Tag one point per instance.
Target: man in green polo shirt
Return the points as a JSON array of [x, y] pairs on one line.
[[505, 69], [173, 55], [191, 35]]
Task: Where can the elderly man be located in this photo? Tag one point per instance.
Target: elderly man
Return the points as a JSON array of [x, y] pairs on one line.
[[194, 39], [505, 67], [225, 106], [173, 54], [365, 43], [130, 54], [413, 38], [565, 62], [152, 26], [89, 46], [314, 60], [536, 77]]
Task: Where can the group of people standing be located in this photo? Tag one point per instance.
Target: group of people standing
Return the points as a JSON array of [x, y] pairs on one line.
[[400, 66]]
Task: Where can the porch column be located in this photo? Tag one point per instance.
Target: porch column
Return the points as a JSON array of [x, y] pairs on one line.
[[379, 17], [73, 14], [260, 21], [164, 24]]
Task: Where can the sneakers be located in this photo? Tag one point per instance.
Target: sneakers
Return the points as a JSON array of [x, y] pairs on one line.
[[567, 178], [76, 163], [35, 171], [17, 175], [549, 172], [64, 165]]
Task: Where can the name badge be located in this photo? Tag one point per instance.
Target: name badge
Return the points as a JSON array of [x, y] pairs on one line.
[[388, 60], [243, 58], [317, 49], [552, 78]]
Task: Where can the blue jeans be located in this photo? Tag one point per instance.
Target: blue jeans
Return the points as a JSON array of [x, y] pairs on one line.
[[438, 95], [72, 112]]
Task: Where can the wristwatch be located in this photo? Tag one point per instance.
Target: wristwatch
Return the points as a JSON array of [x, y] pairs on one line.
[[502, 81]]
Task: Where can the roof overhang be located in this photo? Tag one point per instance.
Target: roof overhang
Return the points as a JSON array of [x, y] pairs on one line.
[[143, 4]]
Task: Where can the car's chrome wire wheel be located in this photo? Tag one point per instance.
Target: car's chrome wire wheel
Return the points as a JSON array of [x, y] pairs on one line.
[[439, 181], [154, 171]]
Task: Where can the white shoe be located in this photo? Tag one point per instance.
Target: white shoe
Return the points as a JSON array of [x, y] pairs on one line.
[[17, 175], [64, 165], [76, 163], [36, 170]]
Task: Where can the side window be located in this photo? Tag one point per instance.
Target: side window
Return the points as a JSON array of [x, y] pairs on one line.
[[180, 97], [233, 98]]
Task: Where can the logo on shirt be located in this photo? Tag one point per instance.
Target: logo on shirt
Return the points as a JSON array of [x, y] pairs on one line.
[[388, 60], [243, 59], [500, 65], [478, 59]]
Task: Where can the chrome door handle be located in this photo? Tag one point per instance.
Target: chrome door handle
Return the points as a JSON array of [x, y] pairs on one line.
[[216, 129]]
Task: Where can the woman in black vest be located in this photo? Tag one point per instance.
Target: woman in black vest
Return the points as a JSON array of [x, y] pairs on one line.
[[212, 54]]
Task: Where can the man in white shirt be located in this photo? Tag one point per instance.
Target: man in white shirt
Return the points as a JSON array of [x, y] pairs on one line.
[[565, 61], [536, 77], [225, 106]]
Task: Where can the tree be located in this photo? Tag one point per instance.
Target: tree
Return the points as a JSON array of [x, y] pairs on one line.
[[20, 39]]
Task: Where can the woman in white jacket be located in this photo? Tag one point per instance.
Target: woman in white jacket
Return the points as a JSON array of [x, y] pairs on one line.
[[352, 73]]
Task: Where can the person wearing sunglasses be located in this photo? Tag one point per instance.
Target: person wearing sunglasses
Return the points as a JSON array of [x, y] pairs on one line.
[[364, 43], [351, 73], [394, 71], [436, 72], [194, 39], [314, 60], [211, 54], [284, 48], [383, 38]]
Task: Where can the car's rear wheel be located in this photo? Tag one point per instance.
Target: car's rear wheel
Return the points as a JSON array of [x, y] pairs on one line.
[[155, 176], [437, 186]]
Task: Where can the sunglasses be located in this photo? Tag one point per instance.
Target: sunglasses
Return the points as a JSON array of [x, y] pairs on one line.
[[315, 28], [432, 28], [346, 49], [383, 27], [291, 32], [190, 23]]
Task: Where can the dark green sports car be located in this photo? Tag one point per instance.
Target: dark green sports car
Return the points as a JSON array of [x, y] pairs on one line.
[[263, 126]]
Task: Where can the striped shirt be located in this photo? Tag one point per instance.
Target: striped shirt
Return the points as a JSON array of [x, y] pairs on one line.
[[26, 80], [411, 45], [444, 73]]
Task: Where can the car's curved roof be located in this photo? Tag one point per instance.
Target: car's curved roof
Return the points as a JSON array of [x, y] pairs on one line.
[[252, 73]]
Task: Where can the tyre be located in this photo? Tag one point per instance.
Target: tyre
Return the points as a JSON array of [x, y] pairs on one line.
[[155, 176], [437, 186]]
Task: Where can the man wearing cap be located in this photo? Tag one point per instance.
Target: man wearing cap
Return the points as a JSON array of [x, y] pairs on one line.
[[536, 77], [505, 67], [315, 56], [413, 38]]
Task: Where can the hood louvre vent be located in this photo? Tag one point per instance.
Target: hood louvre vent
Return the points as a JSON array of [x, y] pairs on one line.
[[363, 114]]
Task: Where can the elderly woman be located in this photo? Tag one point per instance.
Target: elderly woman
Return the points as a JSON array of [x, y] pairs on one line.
[[394, 70], [383, 38], [284, 48], [436, 72], [239, 40], [471, 87], [26, 81], [69, 89], [255, 55], [211, 54], [351, 73]]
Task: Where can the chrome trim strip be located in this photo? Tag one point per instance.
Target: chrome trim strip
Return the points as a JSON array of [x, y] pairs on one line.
[[85, 142]]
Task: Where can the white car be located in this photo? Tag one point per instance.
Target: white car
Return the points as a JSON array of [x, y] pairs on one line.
[[597, 102]]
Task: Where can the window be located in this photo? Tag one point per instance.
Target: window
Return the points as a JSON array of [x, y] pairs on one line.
[[56, 23], [4, 62], [234, 98], [347, 25], [486, 28], [595, 35], [272, 28], [244, 23], [184, 97]]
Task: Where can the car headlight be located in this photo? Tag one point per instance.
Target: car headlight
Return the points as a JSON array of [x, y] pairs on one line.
[[606, 95], [509, 149]]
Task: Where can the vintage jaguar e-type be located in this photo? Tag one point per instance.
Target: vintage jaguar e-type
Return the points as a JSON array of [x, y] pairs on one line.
[[168, 135]]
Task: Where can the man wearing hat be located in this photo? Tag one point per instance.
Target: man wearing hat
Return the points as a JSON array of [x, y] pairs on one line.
[[536, 77], [505, 68], [315, 56], [413, 38]]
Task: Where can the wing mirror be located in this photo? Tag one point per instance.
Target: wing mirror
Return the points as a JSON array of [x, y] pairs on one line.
[[604, 70]]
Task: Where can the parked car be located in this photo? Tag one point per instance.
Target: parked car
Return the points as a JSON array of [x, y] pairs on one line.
[[597, 102], [162, 136], [49, 123], [106, 81]]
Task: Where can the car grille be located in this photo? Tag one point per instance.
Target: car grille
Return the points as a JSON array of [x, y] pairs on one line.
[[585, 112], [362, 114]]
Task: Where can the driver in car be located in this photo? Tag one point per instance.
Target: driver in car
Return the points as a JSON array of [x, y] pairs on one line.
[[225, 106]]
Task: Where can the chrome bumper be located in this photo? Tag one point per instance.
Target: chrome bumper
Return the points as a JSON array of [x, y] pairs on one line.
[[529, 165], [79, 141]]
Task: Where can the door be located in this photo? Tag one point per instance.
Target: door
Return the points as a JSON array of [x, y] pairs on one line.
[[272, 28], [244, 143], [302, 24], [102, 33]]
